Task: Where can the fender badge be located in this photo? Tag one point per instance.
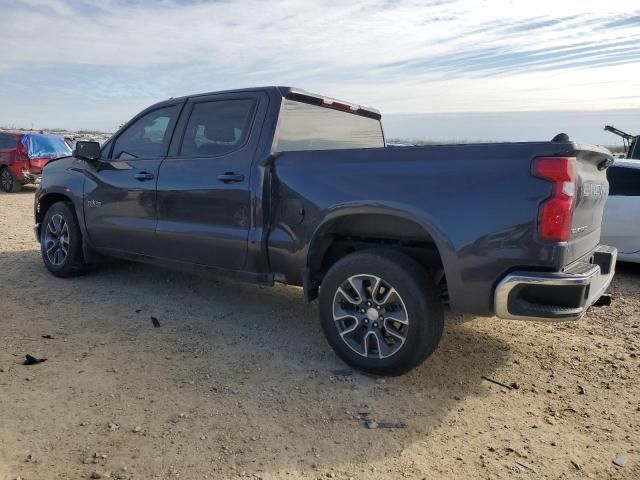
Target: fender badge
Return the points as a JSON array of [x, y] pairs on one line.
[[94, 204]]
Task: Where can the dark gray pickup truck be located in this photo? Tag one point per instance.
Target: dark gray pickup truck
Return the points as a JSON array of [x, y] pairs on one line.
[[277, 184]]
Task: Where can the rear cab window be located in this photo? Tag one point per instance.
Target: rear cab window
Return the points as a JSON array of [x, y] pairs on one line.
[[307, 126]]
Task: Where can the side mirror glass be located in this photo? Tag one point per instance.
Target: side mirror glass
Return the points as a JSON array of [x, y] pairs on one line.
[[87, 150]]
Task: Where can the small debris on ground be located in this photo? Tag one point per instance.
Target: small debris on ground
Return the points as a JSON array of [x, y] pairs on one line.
[[392, 425], [371, 424], [508, 387], [155, 322], [526, 465], [621, 460], [31, 360], [48, 337]]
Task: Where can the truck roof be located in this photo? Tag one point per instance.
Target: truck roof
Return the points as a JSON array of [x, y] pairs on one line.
[[300, 95]]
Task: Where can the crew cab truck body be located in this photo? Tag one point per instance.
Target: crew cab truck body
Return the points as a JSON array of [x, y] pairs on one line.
[[279, 185]]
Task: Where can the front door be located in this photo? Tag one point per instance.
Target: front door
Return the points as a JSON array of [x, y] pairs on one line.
[[204, 201], [621, 221], [120, 191]]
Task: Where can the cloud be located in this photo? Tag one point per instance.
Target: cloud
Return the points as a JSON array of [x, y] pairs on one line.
[[58, 7], [403, 56]]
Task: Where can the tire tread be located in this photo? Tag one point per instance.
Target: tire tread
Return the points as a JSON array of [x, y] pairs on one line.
[[419, 287]]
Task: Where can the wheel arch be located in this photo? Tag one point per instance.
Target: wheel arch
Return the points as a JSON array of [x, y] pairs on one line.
[[374, 226], [44, 203], [50, 198]]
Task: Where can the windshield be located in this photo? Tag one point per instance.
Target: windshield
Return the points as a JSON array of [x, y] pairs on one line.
[[45, 146]]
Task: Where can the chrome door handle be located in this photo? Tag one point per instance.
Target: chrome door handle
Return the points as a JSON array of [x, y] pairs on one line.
[[142, 176], [230, 177]]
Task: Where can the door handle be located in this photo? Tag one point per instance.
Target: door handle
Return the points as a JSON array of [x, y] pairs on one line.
[[230, 177], [142, 176]]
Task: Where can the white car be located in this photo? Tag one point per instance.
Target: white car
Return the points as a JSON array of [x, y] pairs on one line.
[[621, 222]]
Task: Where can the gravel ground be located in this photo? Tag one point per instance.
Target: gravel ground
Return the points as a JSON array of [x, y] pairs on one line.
[[238, 381]]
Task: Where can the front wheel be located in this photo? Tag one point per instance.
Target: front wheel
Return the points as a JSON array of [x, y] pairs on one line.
[[61, 242], [380, 311]]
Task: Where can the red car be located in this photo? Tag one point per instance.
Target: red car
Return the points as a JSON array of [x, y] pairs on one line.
[[24, 155]]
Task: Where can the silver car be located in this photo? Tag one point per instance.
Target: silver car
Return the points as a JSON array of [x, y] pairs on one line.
[[621, 222]]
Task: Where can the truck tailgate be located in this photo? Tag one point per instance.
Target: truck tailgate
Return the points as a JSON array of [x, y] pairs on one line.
[[592, 189]]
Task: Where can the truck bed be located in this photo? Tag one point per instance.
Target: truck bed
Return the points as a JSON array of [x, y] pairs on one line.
[[477, 203]]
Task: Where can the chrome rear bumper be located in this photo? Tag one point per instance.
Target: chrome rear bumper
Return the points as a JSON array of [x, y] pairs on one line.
[[566, 295]]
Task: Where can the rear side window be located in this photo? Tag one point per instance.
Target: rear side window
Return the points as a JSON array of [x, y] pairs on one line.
[[7, 141], [147, 137], [217, 127], [623, 181], [310, 127], [45, 146]]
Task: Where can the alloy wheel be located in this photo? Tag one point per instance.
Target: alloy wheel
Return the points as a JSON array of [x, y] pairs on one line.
[[370, 316], [56, 240], [7, 180]]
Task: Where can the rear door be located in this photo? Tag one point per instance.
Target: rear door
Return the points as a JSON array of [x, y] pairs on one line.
[[204, 198], [621, 225], [120, 192]]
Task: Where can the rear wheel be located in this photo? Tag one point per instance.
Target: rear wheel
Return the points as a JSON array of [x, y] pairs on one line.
[[9, 183], [380, 311], [61, 242]]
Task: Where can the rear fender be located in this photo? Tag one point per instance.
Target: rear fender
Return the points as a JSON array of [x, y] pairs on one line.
[[415, 225]]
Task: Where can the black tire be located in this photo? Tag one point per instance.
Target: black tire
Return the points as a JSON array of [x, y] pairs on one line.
[[73, 262], [418, 295], [8, 182]]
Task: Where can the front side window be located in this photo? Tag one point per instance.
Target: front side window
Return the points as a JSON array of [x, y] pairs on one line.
[[303, 126], [623, 181], [148, 137], [217, 127], [7, 141]]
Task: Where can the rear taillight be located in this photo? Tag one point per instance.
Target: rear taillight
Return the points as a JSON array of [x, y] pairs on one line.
[[22, 152], [556, 213]]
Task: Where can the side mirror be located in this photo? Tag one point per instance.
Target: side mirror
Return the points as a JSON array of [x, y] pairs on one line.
[[87, 150]]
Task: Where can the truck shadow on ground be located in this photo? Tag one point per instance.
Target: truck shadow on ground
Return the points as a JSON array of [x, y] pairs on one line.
[[237, 376], [628, 269]]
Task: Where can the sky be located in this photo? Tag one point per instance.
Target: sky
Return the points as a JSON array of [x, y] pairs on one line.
[[459, 69]]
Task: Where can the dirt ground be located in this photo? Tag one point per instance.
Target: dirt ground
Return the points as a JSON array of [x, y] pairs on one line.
[[238, 381]]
